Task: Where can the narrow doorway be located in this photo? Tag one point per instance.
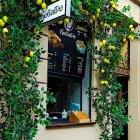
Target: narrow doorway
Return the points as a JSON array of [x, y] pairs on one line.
[[124, 94]]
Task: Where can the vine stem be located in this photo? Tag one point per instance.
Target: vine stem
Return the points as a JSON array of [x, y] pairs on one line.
[[5, 70]]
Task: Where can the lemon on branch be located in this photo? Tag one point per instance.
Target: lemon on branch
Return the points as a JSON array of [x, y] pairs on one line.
[[43, 5], [31, 53], [130, 26], [93, 17], [27, 59], [1, 23], [25, 66], [104, 42], [114, 25], [102, 82], [102, 70], [124, 39], [5, 30], [90, 21], [38, 2], [106, 60], [53, 1], [98, 10], [66, 20], [106, 82], [132, 29], [117, 4], [5, 19], [60, 22]]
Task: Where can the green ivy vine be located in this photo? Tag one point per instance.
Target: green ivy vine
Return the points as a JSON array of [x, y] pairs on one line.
[[111, 29], [21, 102]]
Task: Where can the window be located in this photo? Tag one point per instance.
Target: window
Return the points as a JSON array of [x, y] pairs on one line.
[[71, 95]]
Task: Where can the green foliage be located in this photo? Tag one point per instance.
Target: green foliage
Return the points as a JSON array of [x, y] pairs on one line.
[[101, 16], [21, 102]]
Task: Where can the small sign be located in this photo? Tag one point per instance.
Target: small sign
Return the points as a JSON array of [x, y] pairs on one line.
[[56, 11], [122, 71]]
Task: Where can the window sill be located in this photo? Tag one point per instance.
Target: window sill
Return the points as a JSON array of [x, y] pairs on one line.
[[67, 125]]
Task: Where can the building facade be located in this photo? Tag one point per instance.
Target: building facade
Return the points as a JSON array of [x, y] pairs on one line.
[[91, 131]]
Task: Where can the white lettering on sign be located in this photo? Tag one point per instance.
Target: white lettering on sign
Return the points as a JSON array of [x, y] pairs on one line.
[[71, 35], [58, 10]]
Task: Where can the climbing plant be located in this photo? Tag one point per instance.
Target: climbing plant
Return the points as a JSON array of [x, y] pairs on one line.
[[110, 29], [21, 102]]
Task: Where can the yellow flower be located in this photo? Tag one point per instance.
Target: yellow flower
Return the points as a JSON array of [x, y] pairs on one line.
[[5, 19], [43, 5]]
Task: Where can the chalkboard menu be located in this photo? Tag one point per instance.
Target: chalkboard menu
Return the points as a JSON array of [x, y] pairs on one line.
[[67, 48]]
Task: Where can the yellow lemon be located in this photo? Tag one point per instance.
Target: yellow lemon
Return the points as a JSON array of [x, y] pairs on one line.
[[38, 2], [106, 82], [2, 23], [25, 66], [27, 59], [132, 38], [105, 24], [117, 4], [80, 8], [106, 61], [60, 22], [86, 12], [104, 42], [124, 39], [101, 44], [130, 26], [5, 30], [5, 19], [43, 5], [93, 17], [91, 21], [102, 70], [113, 47], [129, 36], [36, 31], [31, 53], [113, 5], [98, 10], [102, 82], [109, 47], [53, 0], [111, 2], [66, 20], [97, 15], [132, 29], [101, 23], [114, 24]]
